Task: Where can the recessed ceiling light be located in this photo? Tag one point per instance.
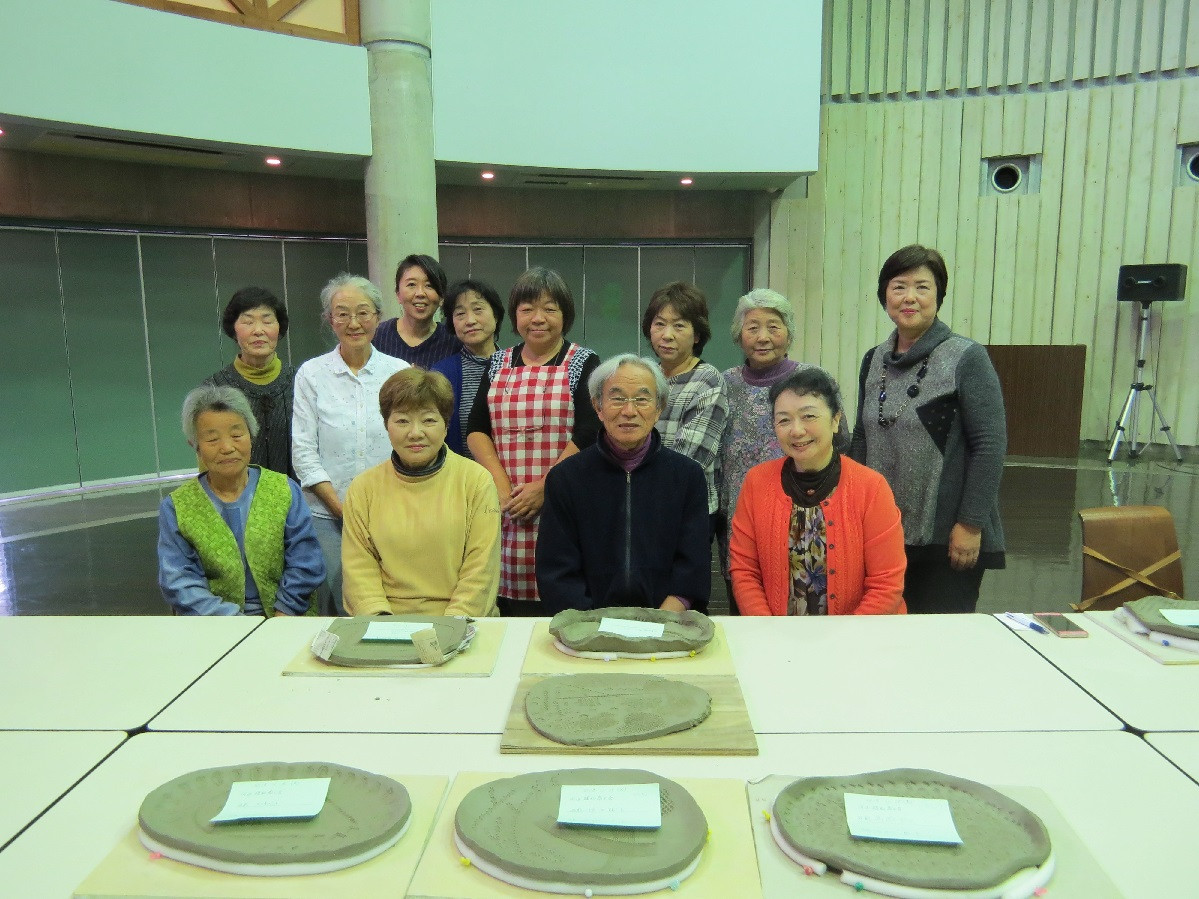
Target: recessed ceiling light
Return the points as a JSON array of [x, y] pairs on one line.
[[487, 176], [685, 181], [273, 160], [1, 132]]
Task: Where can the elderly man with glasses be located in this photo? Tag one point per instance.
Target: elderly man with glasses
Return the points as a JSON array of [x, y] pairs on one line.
[[625, 521]]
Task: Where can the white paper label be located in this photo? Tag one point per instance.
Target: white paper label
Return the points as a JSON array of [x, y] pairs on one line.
[[428, 648], [1182, 617], [900, 819], [323, 644], [628, 806], [394, 631], [624, 627], [256, 800]]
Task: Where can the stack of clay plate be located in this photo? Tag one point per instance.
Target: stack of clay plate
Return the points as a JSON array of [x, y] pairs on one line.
[[684, 634], [364, 815], [453, 635], [1005, 851], [509, 829]]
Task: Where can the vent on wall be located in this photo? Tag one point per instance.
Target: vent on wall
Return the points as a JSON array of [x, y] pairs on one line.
[[1003, 175], [128, 149]]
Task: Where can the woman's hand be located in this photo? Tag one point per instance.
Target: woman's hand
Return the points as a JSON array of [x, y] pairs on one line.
[[673, 604], [525, 501], [964, 543]]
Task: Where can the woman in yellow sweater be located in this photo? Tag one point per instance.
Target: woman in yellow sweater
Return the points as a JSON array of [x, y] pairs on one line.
[[420, 532]]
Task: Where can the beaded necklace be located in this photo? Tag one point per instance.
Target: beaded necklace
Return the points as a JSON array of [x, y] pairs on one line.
[[913, 391]]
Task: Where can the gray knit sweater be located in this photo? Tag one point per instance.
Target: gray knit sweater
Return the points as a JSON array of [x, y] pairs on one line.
[[942, 451]]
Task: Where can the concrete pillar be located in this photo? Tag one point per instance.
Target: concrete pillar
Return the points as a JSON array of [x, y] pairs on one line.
[[401, 184]]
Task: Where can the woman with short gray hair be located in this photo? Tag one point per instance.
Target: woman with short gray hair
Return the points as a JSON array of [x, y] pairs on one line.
[[336, 432], [764, 327], [236, 539]]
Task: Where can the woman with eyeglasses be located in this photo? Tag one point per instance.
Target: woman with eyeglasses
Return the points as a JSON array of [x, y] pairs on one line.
[[336, 432], [931, 421]]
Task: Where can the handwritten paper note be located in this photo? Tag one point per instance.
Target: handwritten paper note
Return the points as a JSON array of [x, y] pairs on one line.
[[628, 806], [256, 800], [394, 631], [900, 819], [623, 627], [1182, 617]]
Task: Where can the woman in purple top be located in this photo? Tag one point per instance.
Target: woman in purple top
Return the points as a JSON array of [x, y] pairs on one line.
[[763, 326], [416, 336]]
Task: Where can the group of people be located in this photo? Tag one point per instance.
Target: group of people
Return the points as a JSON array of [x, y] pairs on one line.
[[419, 467]]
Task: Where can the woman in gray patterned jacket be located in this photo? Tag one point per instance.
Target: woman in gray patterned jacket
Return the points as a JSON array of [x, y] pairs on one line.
[[938, 435]]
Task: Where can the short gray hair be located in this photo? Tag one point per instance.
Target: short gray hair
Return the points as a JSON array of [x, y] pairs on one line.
[[599, 377], [213, 398], [344, 280], [763, 298]]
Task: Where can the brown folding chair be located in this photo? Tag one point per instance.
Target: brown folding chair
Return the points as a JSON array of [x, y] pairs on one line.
[[1128, 552]]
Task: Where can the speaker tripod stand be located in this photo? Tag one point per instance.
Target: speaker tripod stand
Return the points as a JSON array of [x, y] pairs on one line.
[[1126, 425]]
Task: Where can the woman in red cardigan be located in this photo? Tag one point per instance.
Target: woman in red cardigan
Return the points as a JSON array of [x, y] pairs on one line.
[[815, 533]]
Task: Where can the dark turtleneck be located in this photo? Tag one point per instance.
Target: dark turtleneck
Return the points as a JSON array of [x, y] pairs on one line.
[[811, 488], [432, 468]]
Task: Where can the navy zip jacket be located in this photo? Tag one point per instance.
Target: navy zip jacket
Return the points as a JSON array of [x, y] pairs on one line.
[[608, 538]]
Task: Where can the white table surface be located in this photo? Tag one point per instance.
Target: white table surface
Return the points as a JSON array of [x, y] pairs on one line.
[[36, 767], [922, 673], [1146, 694], [1180, 748], [104, 673], [1139, 831]]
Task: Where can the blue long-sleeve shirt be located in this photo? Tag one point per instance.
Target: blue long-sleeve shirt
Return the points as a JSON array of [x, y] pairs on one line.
[[181, 573]]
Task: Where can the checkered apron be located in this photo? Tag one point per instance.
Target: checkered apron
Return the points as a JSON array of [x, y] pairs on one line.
[[532, 415]]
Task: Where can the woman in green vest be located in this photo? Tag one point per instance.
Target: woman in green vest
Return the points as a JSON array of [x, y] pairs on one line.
[[237, 539]]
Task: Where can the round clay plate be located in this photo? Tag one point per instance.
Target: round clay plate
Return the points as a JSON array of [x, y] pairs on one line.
[[363, 815], [578, 633], [1000, 837], [352, 652], [509, 829]]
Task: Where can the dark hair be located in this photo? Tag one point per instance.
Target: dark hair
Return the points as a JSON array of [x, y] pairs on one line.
[[413, 389], [251, 298], [689, 304], [458, 289], [912, 257], [427, 264], [813, 381], [536, 281]]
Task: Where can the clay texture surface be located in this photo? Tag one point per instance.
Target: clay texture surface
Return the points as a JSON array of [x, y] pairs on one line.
[[999, 836], [513, 823], [1148, 611], [688, 631], [352, 652], [362, 811], [601, 709]]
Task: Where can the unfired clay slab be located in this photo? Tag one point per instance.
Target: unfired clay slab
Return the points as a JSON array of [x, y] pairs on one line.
[[543, 658], [1077, 872], [129, 871], [727, 867], [477, 661], [1163, 655], [688, 631]]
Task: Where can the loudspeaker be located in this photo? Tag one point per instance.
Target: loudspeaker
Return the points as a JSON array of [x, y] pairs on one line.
[[1161, 283]]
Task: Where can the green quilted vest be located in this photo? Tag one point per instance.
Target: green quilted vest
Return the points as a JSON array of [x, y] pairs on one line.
[[201, 524]]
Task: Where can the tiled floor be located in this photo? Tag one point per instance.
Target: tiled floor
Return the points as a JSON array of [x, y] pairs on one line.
[[94, 553]]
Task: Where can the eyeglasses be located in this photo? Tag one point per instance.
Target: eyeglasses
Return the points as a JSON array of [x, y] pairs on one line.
[[344, 318], [619, 402]]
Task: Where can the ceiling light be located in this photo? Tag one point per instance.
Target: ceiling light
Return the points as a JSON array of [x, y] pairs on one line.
[[488, 176], [686, 182], [273, 160]]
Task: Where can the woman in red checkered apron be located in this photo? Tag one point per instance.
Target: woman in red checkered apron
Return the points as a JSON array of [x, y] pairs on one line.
[[532, 411]]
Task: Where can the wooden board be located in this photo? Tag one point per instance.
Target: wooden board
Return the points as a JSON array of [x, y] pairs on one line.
[[726, 868], [477, 661], [1076, 872], [543, 658], [1165, 655], [129, 871], [726, 731]]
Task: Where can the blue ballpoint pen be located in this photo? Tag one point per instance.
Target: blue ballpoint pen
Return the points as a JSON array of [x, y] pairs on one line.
[[1027, 622]]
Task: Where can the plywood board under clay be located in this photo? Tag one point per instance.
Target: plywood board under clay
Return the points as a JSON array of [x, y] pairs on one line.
[[1076, 872], [129, 871], [726, 868], [543, 658], [1165, 655], [726, 731], [476, 661]]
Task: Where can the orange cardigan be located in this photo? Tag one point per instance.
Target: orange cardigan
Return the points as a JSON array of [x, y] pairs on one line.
[[865, 559]]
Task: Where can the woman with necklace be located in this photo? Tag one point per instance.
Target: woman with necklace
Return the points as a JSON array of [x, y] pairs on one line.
[[814, 533], [531, 412], [939, 436], [676, 325], [257, 320], [237, 539]]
